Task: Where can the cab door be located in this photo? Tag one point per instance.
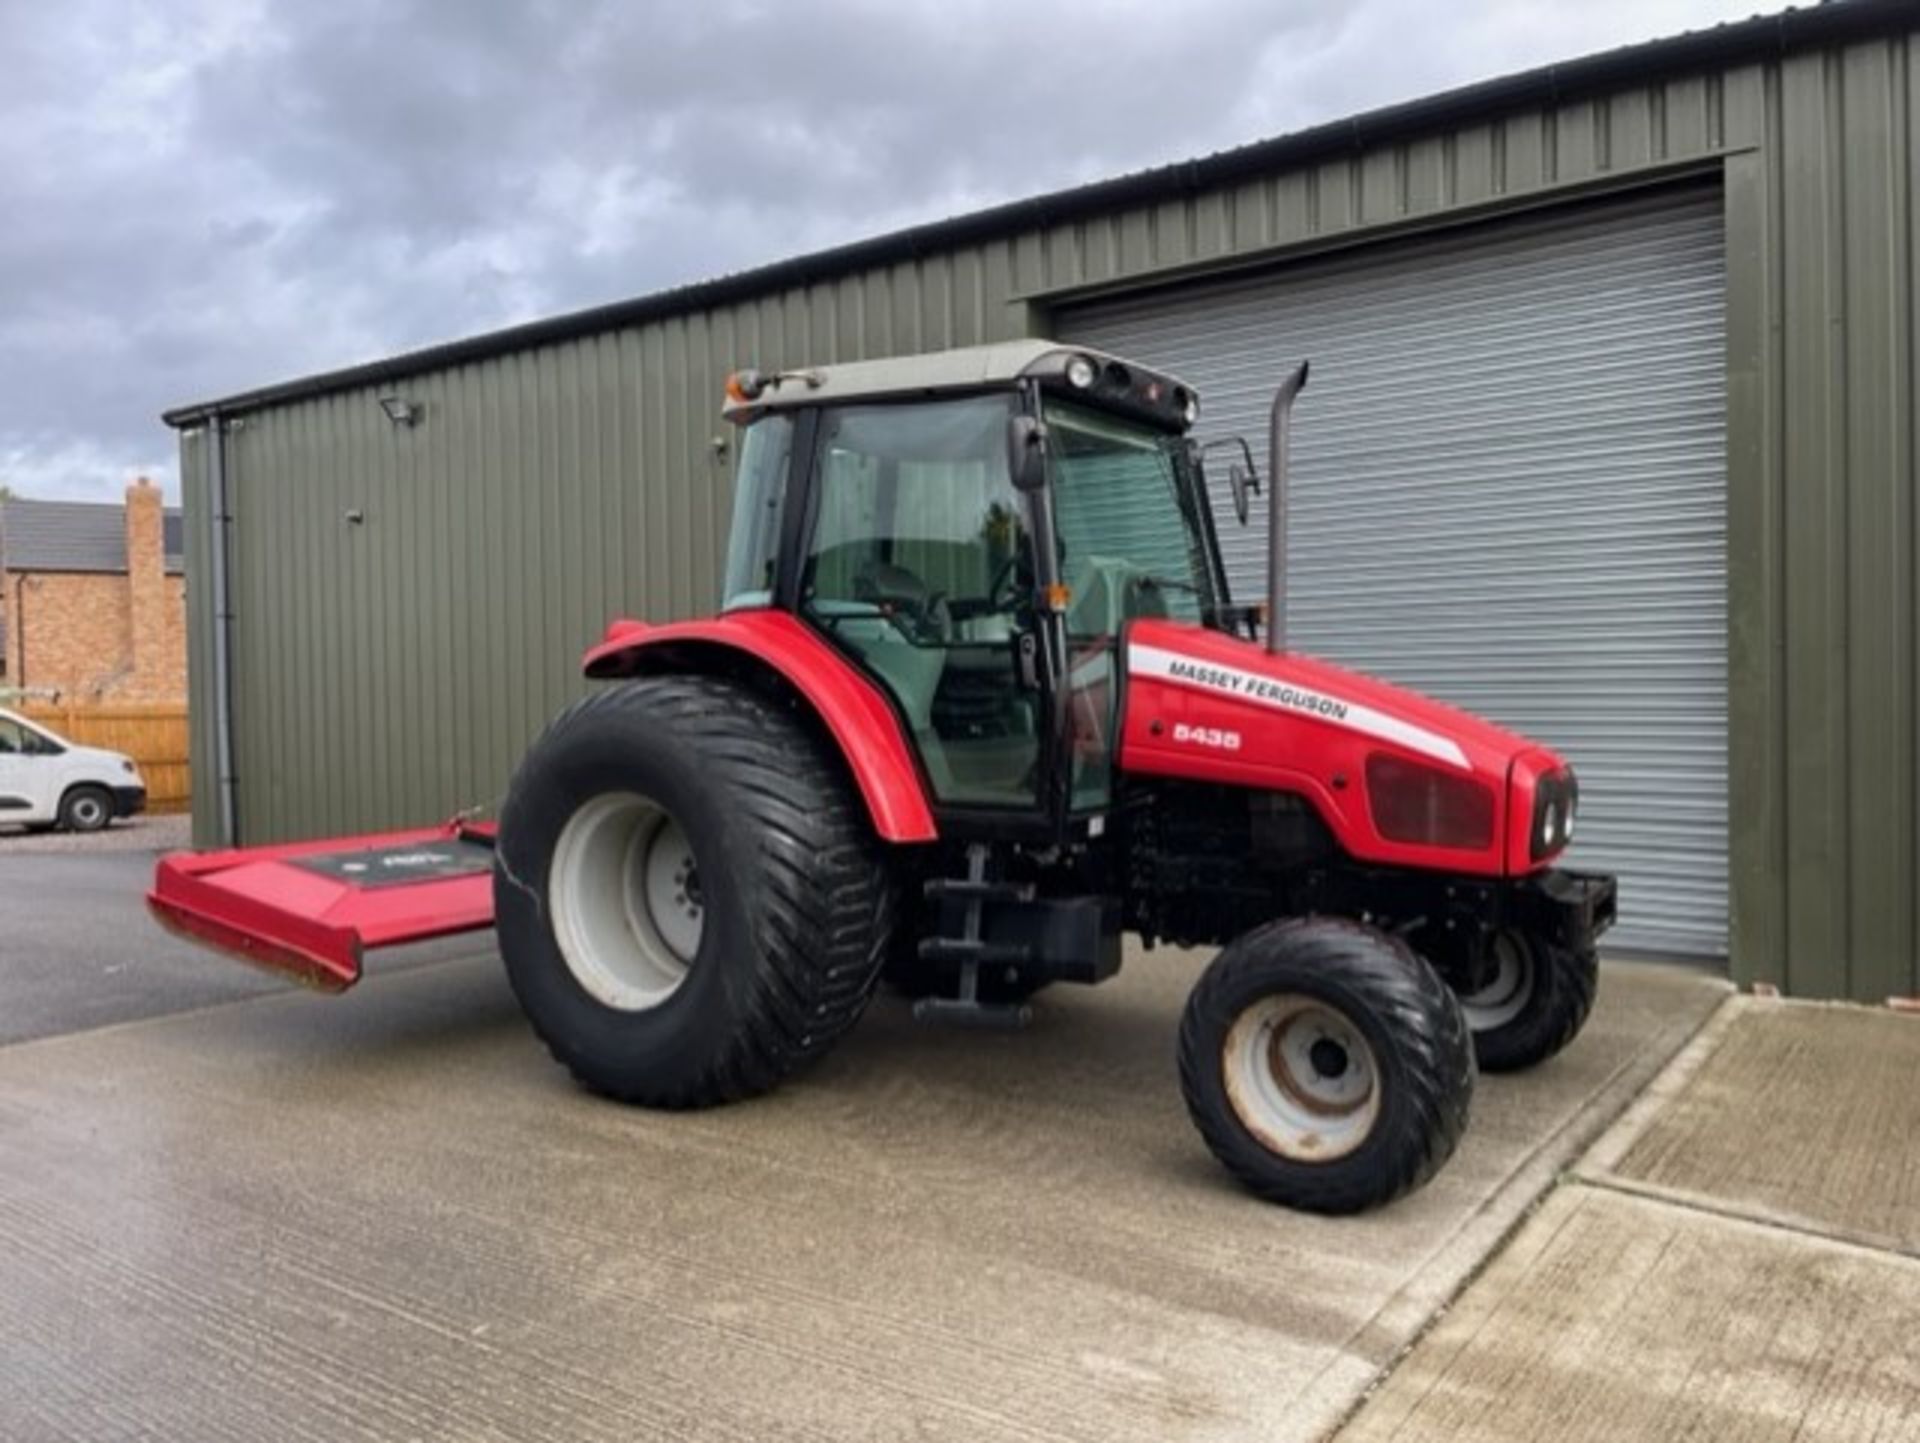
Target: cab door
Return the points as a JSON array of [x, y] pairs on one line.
[[1134, 543], [913, 568]]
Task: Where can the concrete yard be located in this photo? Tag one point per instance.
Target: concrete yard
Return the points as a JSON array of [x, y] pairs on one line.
[[1809, 1116], [1738, 1258], [390, 1216]]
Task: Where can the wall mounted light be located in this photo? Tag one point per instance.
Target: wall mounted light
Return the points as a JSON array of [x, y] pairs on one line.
[[400, 411]]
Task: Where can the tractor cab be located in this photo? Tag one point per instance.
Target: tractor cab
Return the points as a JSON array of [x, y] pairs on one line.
[[974, 530]]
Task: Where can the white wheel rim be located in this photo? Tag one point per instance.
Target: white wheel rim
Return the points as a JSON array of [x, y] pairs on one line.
[[1506, 994], [628, 911], [87, 811], [1301, 1078]]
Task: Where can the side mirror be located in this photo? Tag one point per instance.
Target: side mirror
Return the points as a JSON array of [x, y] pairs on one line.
[[1243, 478], [1242, 483], [1027, 452]]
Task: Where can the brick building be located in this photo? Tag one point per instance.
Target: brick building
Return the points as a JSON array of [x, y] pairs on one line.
[[93, 599]]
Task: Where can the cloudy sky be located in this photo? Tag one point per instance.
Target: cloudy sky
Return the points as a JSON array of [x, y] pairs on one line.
[[208, 195]]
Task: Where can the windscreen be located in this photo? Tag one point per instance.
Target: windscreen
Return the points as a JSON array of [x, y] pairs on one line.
[[1130, 534]]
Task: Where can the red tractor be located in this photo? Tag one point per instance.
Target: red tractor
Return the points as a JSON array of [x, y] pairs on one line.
[[976, 703]]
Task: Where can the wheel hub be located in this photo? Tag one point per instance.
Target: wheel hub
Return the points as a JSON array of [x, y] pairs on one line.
[[628, 911], [1509, 989], [1328, 1057], [1301, 1077]]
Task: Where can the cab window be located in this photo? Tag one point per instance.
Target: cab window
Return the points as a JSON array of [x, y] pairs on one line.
[[914, 567], [759, 501]]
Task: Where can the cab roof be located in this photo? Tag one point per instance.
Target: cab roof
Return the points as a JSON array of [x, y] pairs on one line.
[[968, 368]]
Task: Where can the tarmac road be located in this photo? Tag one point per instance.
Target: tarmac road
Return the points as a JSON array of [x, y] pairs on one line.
[[78, 950]]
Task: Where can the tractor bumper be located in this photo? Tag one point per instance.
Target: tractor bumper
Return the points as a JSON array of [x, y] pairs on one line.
[[1570, 909]]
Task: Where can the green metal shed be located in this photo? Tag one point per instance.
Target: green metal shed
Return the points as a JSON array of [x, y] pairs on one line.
[[1684, 272]]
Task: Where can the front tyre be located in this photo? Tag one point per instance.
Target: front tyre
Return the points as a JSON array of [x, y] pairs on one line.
[[1535, 1002], [86, 809], [689, 902], [1326, 1064]]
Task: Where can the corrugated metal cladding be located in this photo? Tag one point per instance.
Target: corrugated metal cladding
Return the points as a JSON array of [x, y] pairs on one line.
[[410, 604], [1509, 492], [549, 486]]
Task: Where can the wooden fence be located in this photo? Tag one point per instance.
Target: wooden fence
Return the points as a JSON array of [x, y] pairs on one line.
[[155, 736]]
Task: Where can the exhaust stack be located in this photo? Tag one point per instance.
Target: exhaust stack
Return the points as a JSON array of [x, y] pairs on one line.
[[1278, 426]]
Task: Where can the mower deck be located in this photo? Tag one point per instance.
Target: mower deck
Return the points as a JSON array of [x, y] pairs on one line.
[[312, 909]]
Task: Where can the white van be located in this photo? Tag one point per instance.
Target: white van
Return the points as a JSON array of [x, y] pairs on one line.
[[47, 781]]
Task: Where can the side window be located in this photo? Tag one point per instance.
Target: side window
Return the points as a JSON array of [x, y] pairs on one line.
[[759, 503], [13, 738]]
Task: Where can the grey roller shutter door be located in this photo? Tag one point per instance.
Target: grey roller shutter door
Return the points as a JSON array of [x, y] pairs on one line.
[[1509, 492]]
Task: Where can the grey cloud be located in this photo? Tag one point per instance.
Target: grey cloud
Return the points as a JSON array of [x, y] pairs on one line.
[[215, 194]]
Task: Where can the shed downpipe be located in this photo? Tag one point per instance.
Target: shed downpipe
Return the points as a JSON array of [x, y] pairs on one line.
[[222, 633]]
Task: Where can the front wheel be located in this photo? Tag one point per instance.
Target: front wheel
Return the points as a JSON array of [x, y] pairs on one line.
[[1326, 1064], [86, 809], [1535, 1002]]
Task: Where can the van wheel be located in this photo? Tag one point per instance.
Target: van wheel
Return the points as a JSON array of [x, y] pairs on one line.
[[690, 903], [85, 809], [1326, 1064]]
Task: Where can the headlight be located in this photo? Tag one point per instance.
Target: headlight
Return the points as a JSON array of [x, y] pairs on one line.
[[129, 768], [1555, 799], [1080, 373], [1189, 406], [1428, 807]]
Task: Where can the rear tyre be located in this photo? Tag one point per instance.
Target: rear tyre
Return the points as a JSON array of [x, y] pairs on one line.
[[1326, 1064], [1535, 1004], [691, 906], [86, 809]]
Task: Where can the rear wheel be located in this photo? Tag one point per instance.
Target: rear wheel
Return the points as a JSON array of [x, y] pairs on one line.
[[1326, 1065], [86, 809], [1534, 1004], [690, 904]]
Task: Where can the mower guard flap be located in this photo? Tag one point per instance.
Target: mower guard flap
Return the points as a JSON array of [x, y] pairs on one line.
[[313, 909]]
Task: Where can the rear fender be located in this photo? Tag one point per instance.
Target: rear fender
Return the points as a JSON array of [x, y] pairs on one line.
[[852, 709]]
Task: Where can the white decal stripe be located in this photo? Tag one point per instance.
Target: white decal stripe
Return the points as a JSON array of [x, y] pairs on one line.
[[1247, 686]]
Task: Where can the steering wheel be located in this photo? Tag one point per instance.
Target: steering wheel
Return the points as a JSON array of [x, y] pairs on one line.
[[904, 602]]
